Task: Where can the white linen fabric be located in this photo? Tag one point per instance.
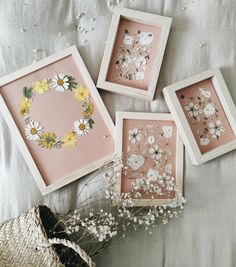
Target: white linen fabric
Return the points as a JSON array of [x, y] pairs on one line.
[[205, 234]]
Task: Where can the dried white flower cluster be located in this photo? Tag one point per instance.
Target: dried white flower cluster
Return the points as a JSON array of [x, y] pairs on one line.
[[165, 182], [101, 226], [130, 216], [94, 230], [148, 218]]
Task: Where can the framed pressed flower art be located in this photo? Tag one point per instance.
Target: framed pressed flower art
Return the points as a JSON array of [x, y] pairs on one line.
[[134, 52], [205, 115], [152, 158], [58, 119]]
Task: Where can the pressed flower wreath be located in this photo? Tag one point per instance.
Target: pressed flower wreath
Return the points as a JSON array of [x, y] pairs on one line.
[[34, 131]]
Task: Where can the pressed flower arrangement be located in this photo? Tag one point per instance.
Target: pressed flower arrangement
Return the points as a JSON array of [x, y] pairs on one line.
[[57, 117], [134, 52], [34, 131], [133, 55], [152, 154], [204, 113]]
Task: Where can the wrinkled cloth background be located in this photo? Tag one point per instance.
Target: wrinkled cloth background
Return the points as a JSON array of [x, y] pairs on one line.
[[205, 235]]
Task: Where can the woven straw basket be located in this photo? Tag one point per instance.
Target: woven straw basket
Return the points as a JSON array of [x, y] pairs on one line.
[[26, 241]]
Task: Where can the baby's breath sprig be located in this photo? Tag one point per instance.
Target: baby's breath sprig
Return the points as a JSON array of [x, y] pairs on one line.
[[94, 223]]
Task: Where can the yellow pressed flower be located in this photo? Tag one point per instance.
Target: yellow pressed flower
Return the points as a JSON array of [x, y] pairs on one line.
[[47, 140], [41, 86], [25, 105], [88, 109], [81, 93], [69, 139]]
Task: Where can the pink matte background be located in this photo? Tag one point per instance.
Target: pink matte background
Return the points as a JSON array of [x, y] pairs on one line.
[[135, 26], [129, 124], [192, 91], [57, 112]]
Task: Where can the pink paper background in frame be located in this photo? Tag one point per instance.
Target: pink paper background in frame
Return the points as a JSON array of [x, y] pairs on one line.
[[79, 112], [156, 131], [134, 52], [205, 115]]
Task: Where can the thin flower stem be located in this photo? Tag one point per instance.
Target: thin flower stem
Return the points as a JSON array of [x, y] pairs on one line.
[[74, 206], [98, 172], [95, 202]]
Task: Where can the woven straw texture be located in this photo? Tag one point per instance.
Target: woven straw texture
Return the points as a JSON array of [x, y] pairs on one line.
[[24, 243]]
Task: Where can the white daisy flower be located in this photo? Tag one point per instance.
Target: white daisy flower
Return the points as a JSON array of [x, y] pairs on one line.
[[81, 127], [156, 152], [60, 82], [216, 129], [33, 131], [134, 135]]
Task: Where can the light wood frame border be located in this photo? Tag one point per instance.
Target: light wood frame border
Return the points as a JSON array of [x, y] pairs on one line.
[[181, 121], [120, 117], [71, 51], [141, 17]]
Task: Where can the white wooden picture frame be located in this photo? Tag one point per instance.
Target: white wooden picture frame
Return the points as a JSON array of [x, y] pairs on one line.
[[170, 94], [161, 117], [147, 19], [73, 52]]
